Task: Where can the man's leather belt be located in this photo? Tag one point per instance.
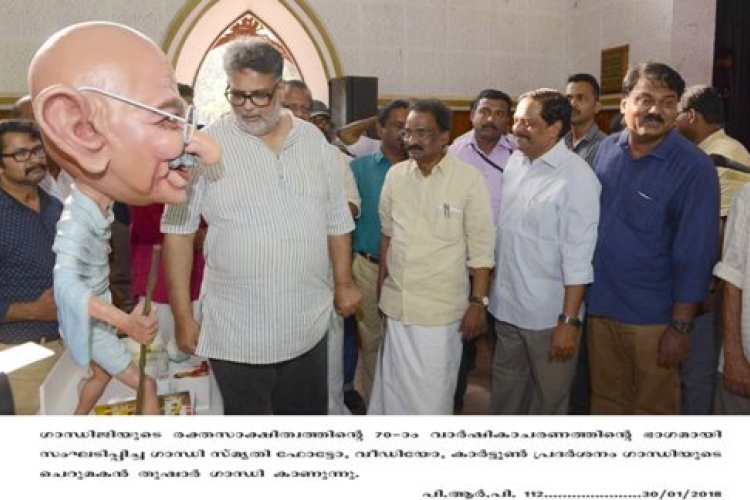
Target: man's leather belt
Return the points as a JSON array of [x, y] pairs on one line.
[[370, 257]]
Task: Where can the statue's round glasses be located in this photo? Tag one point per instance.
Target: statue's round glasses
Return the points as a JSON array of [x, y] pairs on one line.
[[188, 121]]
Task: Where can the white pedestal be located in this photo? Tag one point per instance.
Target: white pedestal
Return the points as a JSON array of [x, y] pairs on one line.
[[59, 393]]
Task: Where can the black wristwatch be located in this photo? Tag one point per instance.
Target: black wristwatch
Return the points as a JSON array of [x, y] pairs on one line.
[[569, 320], [681, 326]]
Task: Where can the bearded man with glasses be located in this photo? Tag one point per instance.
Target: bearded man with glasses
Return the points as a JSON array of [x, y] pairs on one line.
[[278, 222], [118, 133]]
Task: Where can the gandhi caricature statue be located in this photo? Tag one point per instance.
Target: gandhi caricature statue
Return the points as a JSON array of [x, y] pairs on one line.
[[106, 100]]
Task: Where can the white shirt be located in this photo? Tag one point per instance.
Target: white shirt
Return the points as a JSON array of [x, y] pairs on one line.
[[364, 146], [734, 266], [267, 294], [347, 178], [546, 236]]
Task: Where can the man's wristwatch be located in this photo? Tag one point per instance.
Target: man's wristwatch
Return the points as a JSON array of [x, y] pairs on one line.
[[684, 327], [480, 300], [569, 320]]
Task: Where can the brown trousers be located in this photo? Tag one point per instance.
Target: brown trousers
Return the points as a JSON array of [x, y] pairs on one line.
[[625, 379]]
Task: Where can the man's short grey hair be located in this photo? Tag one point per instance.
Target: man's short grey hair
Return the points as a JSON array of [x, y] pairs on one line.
[[254, 53]]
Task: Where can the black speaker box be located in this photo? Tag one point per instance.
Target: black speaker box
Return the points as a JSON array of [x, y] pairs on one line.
[[352, 98]]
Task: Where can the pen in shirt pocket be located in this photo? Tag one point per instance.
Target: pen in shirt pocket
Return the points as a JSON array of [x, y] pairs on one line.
[[448, 210], [644, 195]]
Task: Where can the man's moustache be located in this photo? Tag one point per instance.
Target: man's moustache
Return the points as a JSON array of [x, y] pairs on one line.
[[32, 168], [653, 118]]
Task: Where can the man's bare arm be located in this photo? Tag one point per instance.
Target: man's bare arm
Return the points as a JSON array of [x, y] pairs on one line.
[[736, 376], [351, 132], [346, 295], [178, 265]]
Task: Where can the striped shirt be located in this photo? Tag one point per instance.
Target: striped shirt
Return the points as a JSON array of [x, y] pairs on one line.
[[267, 294], [347, 177], [734, 266]]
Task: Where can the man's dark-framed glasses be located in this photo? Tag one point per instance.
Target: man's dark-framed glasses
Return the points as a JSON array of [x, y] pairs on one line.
[[259, 98], [420, 134], [24, 155]]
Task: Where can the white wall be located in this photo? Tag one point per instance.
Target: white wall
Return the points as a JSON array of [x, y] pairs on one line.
[[449, 48], [25, 24], [677, 32], [443, 48], [693, 40], [594, 25]]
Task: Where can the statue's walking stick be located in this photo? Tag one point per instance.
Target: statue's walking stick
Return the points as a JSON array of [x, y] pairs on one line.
[[150, 284]]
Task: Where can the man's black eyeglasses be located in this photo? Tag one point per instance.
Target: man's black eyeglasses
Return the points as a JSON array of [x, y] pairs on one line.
[[260, 98], [24, 155]]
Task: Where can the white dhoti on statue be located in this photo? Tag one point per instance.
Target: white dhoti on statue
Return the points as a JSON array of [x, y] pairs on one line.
[[417, 370]]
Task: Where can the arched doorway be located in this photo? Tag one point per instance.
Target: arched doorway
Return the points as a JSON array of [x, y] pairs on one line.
[[292, 24]]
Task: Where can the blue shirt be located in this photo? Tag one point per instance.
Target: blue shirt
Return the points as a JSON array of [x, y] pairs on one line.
[[658, 229], [369, 174], [26, 263]]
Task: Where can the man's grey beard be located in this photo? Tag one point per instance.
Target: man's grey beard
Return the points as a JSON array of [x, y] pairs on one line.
[[264, 126]]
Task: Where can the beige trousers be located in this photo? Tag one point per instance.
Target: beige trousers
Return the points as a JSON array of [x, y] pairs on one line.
[[369, 321], [25, 382]]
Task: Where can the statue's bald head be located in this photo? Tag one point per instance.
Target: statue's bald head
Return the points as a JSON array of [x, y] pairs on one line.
[[105, 142], [94, 53]]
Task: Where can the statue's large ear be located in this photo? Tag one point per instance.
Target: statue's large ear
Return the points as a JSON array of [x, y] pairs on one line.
[[68, 118]]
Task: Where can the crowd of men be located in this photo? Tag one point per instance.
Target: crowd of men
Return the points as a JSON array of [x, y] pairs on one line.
[[588, 259]]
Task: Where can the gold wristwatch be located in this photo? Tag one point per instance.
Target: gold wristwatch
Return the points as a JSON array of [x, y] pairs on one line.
[[480, 300]]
